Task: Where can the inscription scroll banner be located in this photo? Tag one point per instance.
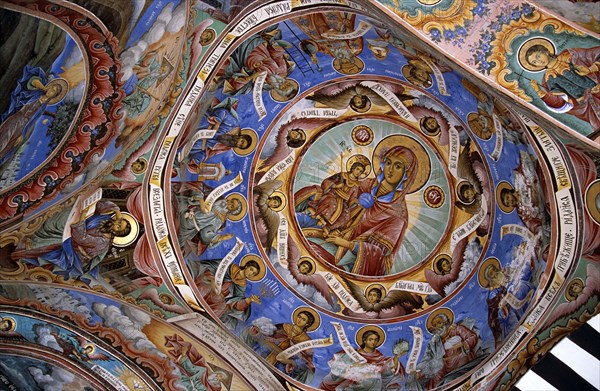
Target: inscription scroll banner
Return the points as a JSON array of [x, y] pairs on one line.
[[317, 113], [157, 211], [453, 151], [544, 303], [109, 377], [550, 148], [304, 3], [341, 292], [184, 110], [224, 264], [255, 372], [415, 352], [224, 188], [90, 203], [193, 95], [188, 295], [302, 346], [516, 303], [179, 121], [439, 78], [343, 339], [392, 99], [80, 211], [202, 134], [169, 259], [516, 229], [214, 58], [257, 95], [470, 225], [504, 351], [161, 160], [567, 216], [413, 286], [499, 139], [362, 28], [278, 168], [282, 238], [262, 14]]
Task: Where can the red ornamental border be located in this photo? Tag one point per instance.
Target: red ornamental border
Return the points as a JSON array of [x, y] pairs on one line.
[[96, 123]]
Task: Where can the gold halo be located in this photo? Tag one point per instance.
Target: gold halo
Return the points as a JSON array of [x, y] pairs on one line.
[[277, 97], [501, 186], [124, 241], [358, 158], [12, 321], [262, 270], [427, 132], [355, 61], [211, 33], [166, 298], [524, 62], [87, 345], [459, 186], [476, 128], [64, 85], [144, 163], [422, 158], [314, 313], [281, 195], [406, 73], [483, 281], [592, 198], [312, 263], [359, 334], [378, 286], [251, 147], [437, 260], [569, 296], [243, 203], [447, 311]]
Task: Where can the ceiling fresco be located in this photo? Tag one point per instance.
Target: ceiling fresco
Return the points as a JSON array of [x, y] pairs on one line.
[[300, 195]]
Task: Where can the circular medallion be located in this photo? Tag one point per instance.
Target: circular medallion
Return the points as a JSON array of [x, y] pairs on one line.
[[434, 196], [362, 135]]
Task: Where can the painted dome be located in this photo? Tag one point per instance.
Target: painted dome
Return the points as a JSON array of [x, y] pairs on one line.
[[299, 193]]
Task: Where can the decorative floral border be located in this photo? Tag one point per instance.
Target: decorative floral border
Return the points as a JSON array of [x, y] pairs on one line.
[[483, 50]]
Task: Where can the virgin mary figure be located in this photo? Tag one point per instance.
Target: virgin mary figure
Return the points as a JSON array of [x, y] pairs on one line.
[[376, 234]]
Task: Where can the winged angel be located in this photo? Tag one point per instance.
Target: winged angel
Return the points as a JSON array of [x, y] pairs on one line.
[[268, 202], [358, 97], [475, 188], [377, 306], [291, 135], [77, 347], [300, 273]]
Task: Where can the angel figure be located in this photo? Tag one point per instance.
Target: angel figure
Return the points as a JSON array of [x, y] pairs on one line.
[[164, 301], [77, 347], [198, 37], [577, 294], [269, 202], [303, 271], [7, 329], [290, 136], [445, 269], [377, 304], [358, 97], [475, 188]]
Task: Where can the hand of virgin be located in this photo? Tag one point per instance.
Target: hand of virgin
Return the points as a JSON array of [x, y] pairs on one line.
[[340, 242]]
